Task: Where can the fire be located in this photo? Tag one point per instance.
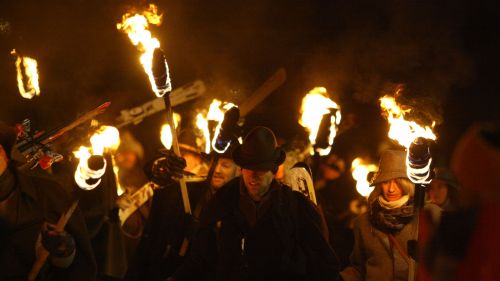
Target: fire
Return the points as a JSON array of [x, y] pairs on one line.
[[136, 27], [166, 134], [359, 171], [202, 124], [216, 113], [314, 105], [30, 88], [84, 173], [402, 130], [106, 137]]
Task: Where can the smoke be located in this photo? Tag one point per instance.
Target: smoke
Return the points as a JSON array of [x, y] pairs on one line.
[[393, 42]]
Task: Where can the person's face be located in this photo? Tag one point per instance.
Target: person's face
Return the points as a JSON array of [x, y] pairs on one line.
[[225, 171], [391, 190], [438, 192], [126, 160], [257, 183]]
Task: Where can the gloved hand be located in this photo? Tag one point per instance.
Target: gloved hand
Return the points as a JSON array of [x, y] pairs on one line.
[[166, 167], [59, 244]]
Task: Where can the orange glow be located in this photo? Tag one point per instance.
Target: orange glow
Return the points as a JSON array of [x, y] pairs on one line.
[[166, 134], [27, 81], [359, 171], [401, 129], [136, 25], [314, 105], [216, 113]]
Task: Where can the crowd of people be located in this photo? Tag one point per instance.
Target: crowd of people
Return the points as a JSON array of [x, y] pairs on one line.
[[246, 219]]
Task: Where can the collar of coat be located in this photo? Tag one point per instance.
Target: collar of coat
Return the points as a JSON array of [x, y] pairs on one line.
[[227, 200]]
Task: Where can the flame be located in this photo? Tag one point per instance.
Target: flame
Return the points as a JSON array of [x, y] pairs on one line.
[[166, 133], [106, 137], [402, 130], [119, 188], [30, 88], [216, 113], [136, 27], [359, 171], [83, 172], [314, 105], [202, 124]]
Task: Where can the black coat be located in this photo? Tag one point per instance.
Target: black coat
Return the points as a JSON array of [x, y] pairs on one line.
[[167, 226], [33, 201], [285, 243]]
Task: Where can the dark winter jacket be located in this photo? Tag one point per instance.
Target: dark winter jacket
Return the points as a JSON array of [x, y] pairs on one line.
[[283, 240], [30, 202], [167, 226]]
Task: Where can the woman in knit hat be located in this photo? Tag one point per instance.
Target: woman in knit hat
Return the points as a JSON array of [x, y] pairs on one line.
[[381, 235]]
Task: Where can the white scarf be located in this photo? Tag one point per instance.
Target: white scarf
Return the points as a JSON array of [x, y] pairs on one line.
[[393, 204]]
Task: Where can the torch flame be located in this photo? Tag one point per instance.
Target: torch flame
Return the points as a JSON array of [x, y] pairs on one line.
[[314, 105], [359, 171], [216, 113], [136, 27], [30, 88], [402, 130], [202, 124], [166, 134], [83, 172], [106, 137]]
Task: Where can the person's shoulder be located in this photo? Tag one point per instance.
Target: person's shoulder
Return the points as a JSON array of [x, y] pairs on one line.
[[39, 181], [362, 220], [231, 187], [222, 203]]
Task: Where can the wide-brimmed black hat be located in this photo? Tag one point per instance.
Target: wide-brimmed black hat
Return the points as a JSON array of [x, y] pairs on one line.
[[259, 151]]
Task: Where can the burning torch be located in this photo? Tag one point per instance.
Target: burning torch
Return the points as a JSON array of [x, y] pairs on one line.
[[92, 165], [163, 89], [416, 139], [321, 117], [418, 168]]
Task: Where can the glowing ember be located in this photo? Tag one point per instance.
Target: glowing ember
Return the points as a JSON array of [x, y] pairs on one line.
[[359, 171], [401, 129], [202, 124], [166, 134], [107, 137], [314, 105], [136, 27], [216, 113], [29, 88]]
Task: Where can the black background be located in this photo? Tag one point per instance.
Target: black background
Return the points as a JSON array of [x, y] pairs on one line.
[[445, 52]]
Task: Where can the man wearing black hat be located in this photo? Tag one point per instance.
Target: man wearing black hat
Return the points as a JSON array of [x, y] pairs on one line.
[[158, 252], [254, 228], [27, 205]]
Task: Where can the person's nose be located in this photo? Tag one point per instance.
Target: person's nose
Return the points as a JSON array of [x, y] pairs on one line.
[[392, 187], [218, 168]]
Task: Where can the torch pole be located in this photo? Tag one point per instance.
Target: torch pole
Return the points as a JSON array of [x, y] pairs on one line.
[[418, 168], [44, 254], [182, 181]]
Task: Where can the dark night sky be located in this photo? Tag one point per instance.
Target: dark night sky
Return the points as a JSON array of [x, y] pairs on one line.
[[445, 52]]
